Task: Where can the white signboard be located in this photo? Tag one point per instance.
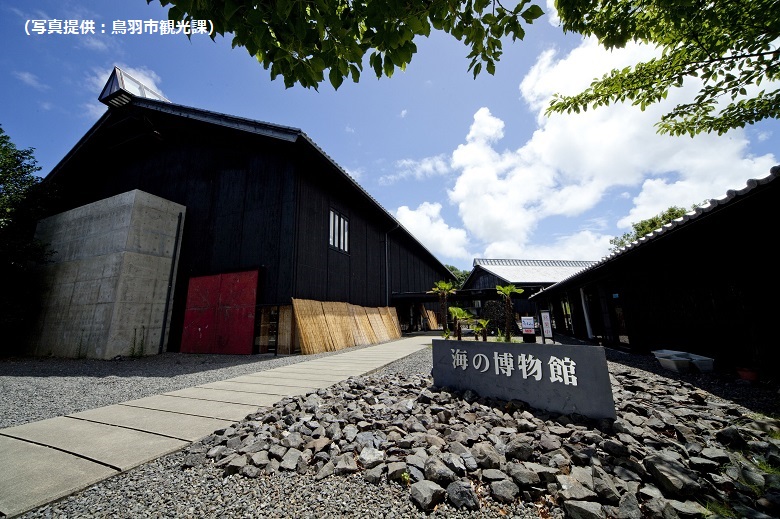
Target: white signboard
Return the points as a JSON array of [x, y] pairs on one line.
[[528, 324], [546, 325]]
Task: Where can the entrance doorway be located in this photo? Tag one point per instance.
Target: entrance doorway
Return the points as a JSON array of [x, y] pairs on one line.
[[219, 316]]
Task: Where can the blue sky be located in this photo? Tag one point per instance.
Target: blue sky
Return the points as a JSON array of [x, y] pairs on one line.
[[471, 167]]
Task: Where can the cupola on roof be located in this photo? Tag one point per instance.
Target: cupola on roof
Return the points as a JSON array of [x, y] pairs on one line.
[[121, 87]]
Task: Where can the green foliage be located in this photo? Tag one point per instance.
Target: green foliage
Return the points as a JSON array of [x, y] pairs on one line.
[[480, 329], [301, 41], [17, 178], [493, 311], [460, 275], [459, 315], [506, 292], [443, 289], [730, 46], [21, 205], [645, 227], [720, 509]]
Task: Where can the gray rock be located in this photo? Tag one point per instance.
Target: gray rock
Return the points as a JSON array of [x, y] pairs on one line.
[[584, 510], [328, 469], [346, 464], [504, 490], [629, 507], [396, 470], [260, 459], [523, 476], [250, 471], [235, 465], [688, 508], [672, 476], [438, 472], [716, 455], [520, 448], [290, 459], [375, 473], [546, 474], [194, 460], [604, 486], [455, 463], [571, 489], [371, 457], [486, 456], [493, 475], [461, 495], [426, 494]]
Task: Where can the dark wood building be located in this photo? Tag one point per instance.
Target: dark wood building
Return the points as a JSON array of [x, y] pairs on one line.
[[529, 275], [260, 198], [704, 284]]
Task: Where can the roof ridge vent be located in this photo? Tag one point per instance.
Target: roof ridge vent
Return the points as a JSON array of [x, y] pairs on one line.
[[121, 87]]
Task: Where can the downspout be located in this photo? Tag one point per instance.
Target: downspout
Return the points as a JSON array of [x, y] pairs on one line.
[[170, 285], [588, 328], [387, 266]]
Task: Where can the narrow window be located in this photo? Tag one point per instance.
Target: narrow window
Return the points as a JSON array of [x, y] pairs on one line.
[[339, 231]]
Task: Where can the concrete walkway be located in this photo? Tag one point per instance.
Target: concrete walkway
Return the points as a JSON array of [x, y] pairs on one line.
[[43, 461]]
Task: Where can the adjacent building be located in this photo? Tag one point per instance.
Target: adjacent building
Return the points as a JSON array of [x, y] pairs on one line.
[[702, 284]]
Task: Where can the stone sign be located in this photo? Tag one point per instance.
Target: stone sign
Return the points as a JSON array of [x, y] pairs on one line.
[[559, 378]]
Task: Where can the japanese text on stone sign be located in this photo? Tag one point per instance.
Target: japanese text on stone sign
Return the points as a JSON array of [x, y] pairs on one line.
[[529, 367], [124, 27]]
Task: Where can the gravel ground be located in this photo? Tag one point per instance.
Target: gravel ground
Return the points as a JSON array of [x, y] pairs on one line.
[[44, 388], [48, 387]]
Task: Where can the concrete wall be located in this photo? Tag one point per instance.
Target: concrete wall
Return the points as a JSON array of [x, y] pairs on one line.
[[107, 286]]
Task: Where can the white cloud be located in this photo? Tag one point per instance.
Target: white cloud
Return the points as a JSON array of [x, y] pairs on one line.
[[349, 129], [428, 226], [552, 13], [403, 113], [582, 179], [417, 169], [95, 43], [356, 174], [30, 79], [93, 109]]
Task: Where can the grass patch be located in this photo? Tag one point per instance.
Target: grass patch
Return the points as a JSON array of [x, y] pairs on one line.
[[720, 509], [767, 467]]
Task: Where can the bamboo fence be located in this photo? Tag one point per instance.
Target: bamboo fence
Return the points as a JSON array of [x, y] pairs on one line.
[[330, 326], [390, 318], [377, 324], [339, 321], [433, 321], [362, 330]]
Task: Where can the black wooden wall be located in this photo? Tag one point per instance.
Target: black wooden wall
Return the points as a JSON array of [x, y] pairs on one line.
[[359, 276], [705, 287], [253, 202]]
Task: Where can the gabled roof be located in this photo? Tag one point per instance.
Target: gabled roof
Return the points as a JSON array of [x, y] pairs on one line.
[[159, 103], [525, 272], [713, 205]]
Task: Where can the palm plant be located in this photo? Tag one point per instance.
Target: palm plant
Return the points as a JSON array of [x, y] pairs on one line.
[[480, 329], [459, 315], [506, 292], [443, 289]]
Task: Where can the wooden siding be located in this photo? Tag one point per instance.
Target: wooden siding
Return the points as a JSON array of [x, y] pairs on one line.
[[483, 280], [252, 203], [702, 287]]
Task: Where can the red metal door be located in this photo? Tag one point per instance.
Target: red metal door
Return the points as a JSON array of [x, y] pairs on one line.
[[219, 316]]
